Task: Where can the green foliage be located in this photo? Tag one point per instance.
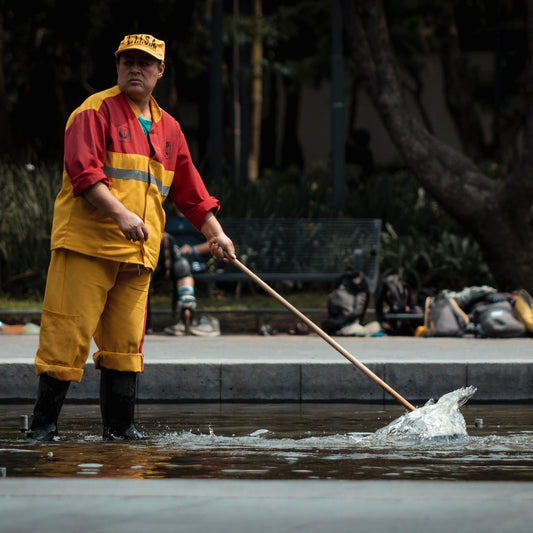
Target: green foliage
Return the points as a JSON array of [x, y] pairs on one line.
[[27, 195], [450, 262], [419, 241], [397, 198], [413, 33], [289, 194]]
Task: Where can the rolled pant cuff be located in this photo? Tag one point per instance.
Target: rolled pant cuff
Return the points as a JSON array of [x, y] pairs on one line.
[[123, 362], [63, 373]]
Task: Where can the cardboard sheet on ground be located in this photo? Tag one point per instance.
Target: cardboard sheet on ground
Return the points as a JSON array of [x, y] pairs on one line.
[[19, 329]]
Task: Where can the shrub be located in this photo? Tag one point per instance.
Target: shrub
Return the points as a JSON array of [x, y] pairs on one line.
[[27, 196], [419, 241]]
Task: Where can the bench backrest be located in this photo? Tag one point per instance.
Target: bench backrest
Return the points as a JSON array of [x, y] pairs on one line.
[[305, 249]]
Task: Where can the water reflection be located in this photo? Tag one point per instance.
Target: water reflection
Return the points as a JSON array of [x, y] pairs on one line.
[[282, 441]]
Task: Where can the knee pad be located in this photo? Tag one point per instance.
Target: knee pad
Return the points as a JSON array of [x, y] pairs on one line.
[[186, 302], [181, 266]]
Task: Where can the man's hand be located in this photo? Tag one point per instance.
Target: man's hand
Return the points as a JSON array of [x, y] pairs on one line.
[[222, 247], [131, 225]]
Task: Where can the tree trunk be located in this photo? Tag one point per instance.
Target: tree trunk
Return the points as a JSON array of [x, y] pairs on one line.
[[459, 89], [497, 213], [257, 96]]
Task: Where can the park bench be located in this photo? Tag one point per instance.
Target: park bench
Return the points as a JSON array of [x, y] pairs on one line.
[[300, 250], [304, 250], [297, 250]]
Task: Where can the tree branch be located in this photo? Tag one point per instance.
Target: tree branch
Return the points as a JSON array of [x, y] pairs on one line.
[[458, 88], [446, 173]]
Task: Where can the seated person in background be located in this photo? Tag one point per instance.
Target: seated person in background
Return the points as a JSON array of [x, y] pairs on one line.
[[184, 252]]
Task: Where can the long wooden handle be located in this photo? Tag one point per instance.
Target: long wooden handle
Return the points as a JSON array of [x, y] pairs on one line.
[[322, 334]]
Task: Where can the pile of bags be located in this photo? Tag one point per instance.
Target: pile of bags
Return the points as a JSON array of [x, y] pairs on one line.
[[478, 312], [472, 312]]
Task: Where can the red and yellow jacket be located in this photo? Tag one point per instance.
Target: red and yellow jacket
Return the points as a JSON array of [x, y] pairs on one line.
[[105, 142]]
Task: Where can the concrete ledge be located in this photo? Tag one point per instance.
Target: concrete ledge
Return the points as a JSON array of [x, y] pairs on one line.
[[179, 382], [340, 382], [17, 381], [298, 368], [260, 382], [264, 382], [502, 382], [421, 381]]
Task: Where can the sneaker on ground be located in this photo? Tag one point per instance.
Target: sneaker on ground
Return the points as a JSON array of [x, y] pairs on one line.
[[177, 330], [373, 329], [351, 330], [206, 326]]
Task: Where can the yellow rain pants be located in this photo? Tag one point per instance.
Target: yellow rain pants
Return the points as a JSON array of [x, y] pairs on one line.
[[88, 297]]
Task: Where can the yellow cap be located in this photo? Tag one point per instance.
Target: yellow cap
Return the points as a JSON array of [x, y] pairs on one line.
[[144, 43]]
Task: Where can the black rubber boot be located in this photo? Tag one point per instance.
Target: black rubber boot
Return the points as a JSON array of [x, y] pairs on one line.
[[50, 397], [117, 404]]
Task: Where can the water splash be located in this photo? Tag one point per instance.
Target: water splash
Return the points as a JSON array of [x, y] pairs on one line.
[[440, 420], [258, 432]]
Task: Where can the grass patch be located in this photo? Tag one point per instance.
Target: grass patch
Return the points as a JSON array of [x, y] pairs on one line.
[[217, 300], [223, 301], [12, 304]]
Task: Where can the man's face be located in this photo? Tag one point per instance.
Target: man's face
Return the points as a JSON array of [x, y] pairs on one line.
[[138, 73]]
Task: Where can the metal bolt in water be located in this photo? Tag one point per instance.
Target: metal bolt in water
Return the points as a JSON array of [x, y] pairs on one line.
[[478, 422], [23, 423]]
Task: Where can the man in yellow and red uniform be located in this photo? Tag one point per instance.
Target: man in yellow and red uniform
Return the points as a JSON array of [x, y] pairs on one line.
[[123, 156]]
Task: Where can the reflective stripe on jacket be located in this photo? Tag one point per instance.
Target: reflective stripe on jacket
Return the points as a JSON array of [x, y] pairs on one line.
[[105, 142]]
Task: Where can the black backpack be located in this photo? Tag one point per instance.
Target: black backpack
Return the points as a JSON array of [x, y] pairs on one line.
[[394, 296], [347, 303]]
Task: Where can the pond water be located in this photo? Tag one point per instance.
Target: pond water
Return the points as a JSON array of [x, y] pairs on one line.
[[271, 441]]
